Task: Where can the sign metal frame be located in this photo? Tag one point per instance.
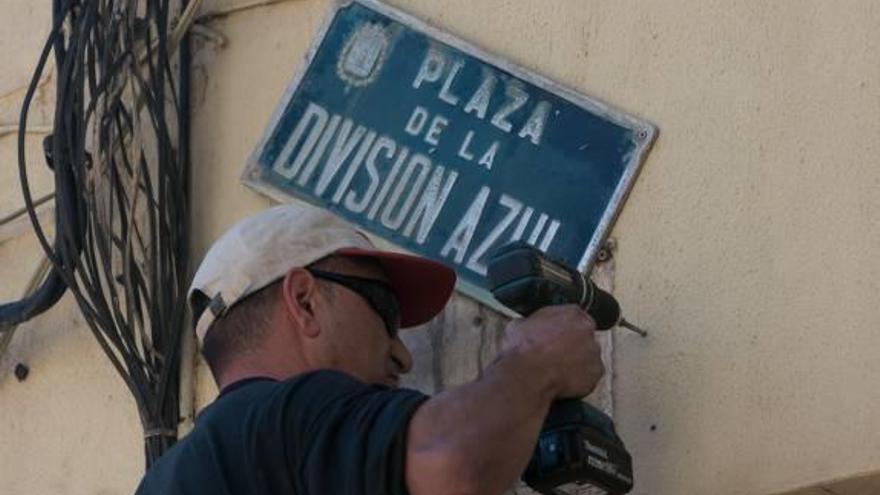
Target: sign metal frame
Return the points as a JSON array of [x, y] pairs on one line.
[[645, 133]]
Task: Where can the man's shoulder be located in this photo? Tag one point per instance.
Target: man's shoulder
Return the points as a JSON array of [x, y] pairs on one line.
[[251, 399], [323, 378], [309, 393], [261, 383]]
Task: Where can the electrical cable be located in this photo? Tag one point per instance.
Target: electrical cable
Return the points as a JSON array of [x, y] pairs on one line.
[[36, 279], [119, 153], [13, 129], [235, 8], [23, 210]]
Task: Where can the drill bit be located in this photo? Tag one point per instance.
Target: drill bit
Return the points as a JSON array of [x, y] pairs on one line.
[[629, 326]]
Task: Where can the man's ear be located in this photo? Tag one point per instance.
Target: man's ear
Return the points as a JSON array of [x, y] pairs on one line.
[[299, 293]]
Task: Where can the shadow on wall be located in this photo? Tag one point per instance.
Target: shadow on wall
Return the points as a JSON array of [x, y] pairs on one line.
[[857, 485]]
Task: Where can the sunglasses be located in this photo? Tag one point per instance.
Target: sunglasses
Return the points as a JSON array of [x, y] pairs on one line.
[[376, 293]]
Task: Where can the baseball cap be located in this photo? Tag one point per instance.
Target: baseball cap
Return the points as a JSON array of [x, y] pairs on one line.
[[262, 248]]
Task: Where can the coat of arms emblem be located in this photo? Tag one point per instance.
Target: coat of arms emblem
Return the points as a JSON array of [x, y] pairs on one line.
[[363, 55]]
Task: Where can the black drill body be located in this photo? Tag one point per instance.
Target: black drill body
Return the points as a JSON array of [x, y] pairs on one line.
[[578, 443]]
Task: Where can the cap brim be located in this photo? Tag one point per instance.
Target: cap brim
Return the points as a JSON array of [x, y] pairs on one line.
[[422, 286]]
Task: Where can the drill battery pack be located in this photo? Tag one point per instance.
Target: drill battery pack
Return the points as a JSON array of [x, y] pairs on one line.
[[578, 445]]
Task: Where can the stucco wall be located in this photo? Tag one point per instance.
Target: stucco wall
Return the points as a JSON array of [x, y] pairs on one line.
[[748, 245]]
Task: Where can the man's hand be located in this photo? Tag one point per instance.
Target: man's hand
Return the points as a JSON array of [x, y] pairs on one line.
[[477, 438], [561, 339]]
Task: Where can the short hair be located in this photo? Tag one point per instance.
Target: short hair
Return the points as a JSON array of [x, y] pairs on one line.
[[246, 323], [241, 329]]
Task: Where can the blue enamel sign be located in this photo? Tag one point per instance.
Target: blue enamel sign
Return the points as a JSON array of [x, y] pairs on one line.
[[444, 150]]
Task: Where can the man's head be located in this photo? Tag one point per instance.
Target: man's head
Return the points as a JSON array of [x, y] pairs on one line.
[[293, 289]]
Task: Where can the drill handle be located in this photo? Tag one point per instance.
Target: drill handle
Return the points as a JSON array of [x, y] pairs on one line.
[[566, 412]]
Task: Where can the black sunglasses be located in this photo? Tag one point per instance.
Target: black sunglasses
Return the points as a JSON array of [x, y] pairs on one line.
[[378, 295]]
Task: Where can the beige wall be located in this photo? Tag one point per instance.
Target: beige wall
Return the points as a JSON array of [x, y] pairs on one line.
[[748, 246], [69, 427]]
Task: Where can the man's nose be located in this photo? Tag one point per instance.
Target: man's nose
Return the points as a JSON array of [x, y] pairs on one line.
[[401, 356]]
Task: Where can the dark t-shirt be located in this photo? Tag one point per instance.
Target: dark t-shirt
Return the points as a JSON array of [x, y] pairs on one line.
[[319, 433]]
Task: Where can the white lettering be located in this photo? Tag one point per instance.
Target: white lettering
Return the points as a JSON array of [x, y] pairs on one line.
[[339, 154], [353, 167], [595, 449], [394, 222], [606, 466], [319, 151], [383, 143], [536, 231], [430, 204], [431, 69], [463, 234], [389, 181], [514, 206], [489, 156], [549, 235], [479, 102], [534, 127], [437, 65], [416, 121], [316, 116], [516, 98], [437, 126], [463, 151], [446, 91], [521, 225]]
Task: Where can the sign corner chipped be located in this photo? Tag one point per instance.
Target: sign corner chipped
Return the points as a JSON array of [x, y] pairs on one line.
[[428, 142]]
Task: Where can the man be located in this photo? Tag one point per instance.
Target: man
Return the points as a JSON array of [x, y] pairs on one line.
[[297, 316]]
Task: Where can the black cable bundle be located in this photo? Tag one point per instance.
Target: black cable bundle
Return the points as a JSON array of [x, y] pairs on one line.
[[119, 153]]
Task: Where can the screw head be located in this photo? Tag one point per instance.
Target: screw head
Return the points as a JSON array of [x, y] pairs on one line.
[[21, 372]]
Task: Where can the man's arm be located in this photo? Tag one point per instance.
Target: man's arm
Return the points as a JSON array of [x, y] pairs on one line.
[[478, 438]]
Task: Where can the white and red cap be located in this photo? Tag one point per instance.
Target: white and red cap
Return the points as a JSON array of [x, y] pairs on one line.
[[262, 248]]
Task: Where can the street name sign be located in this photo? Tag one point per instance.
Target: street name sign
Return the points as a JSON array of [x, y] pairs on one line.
[[434, 145]]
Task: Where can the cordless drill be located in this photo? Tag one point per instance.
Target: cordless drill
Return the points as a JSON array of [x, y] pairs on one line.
[[578, 443]]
